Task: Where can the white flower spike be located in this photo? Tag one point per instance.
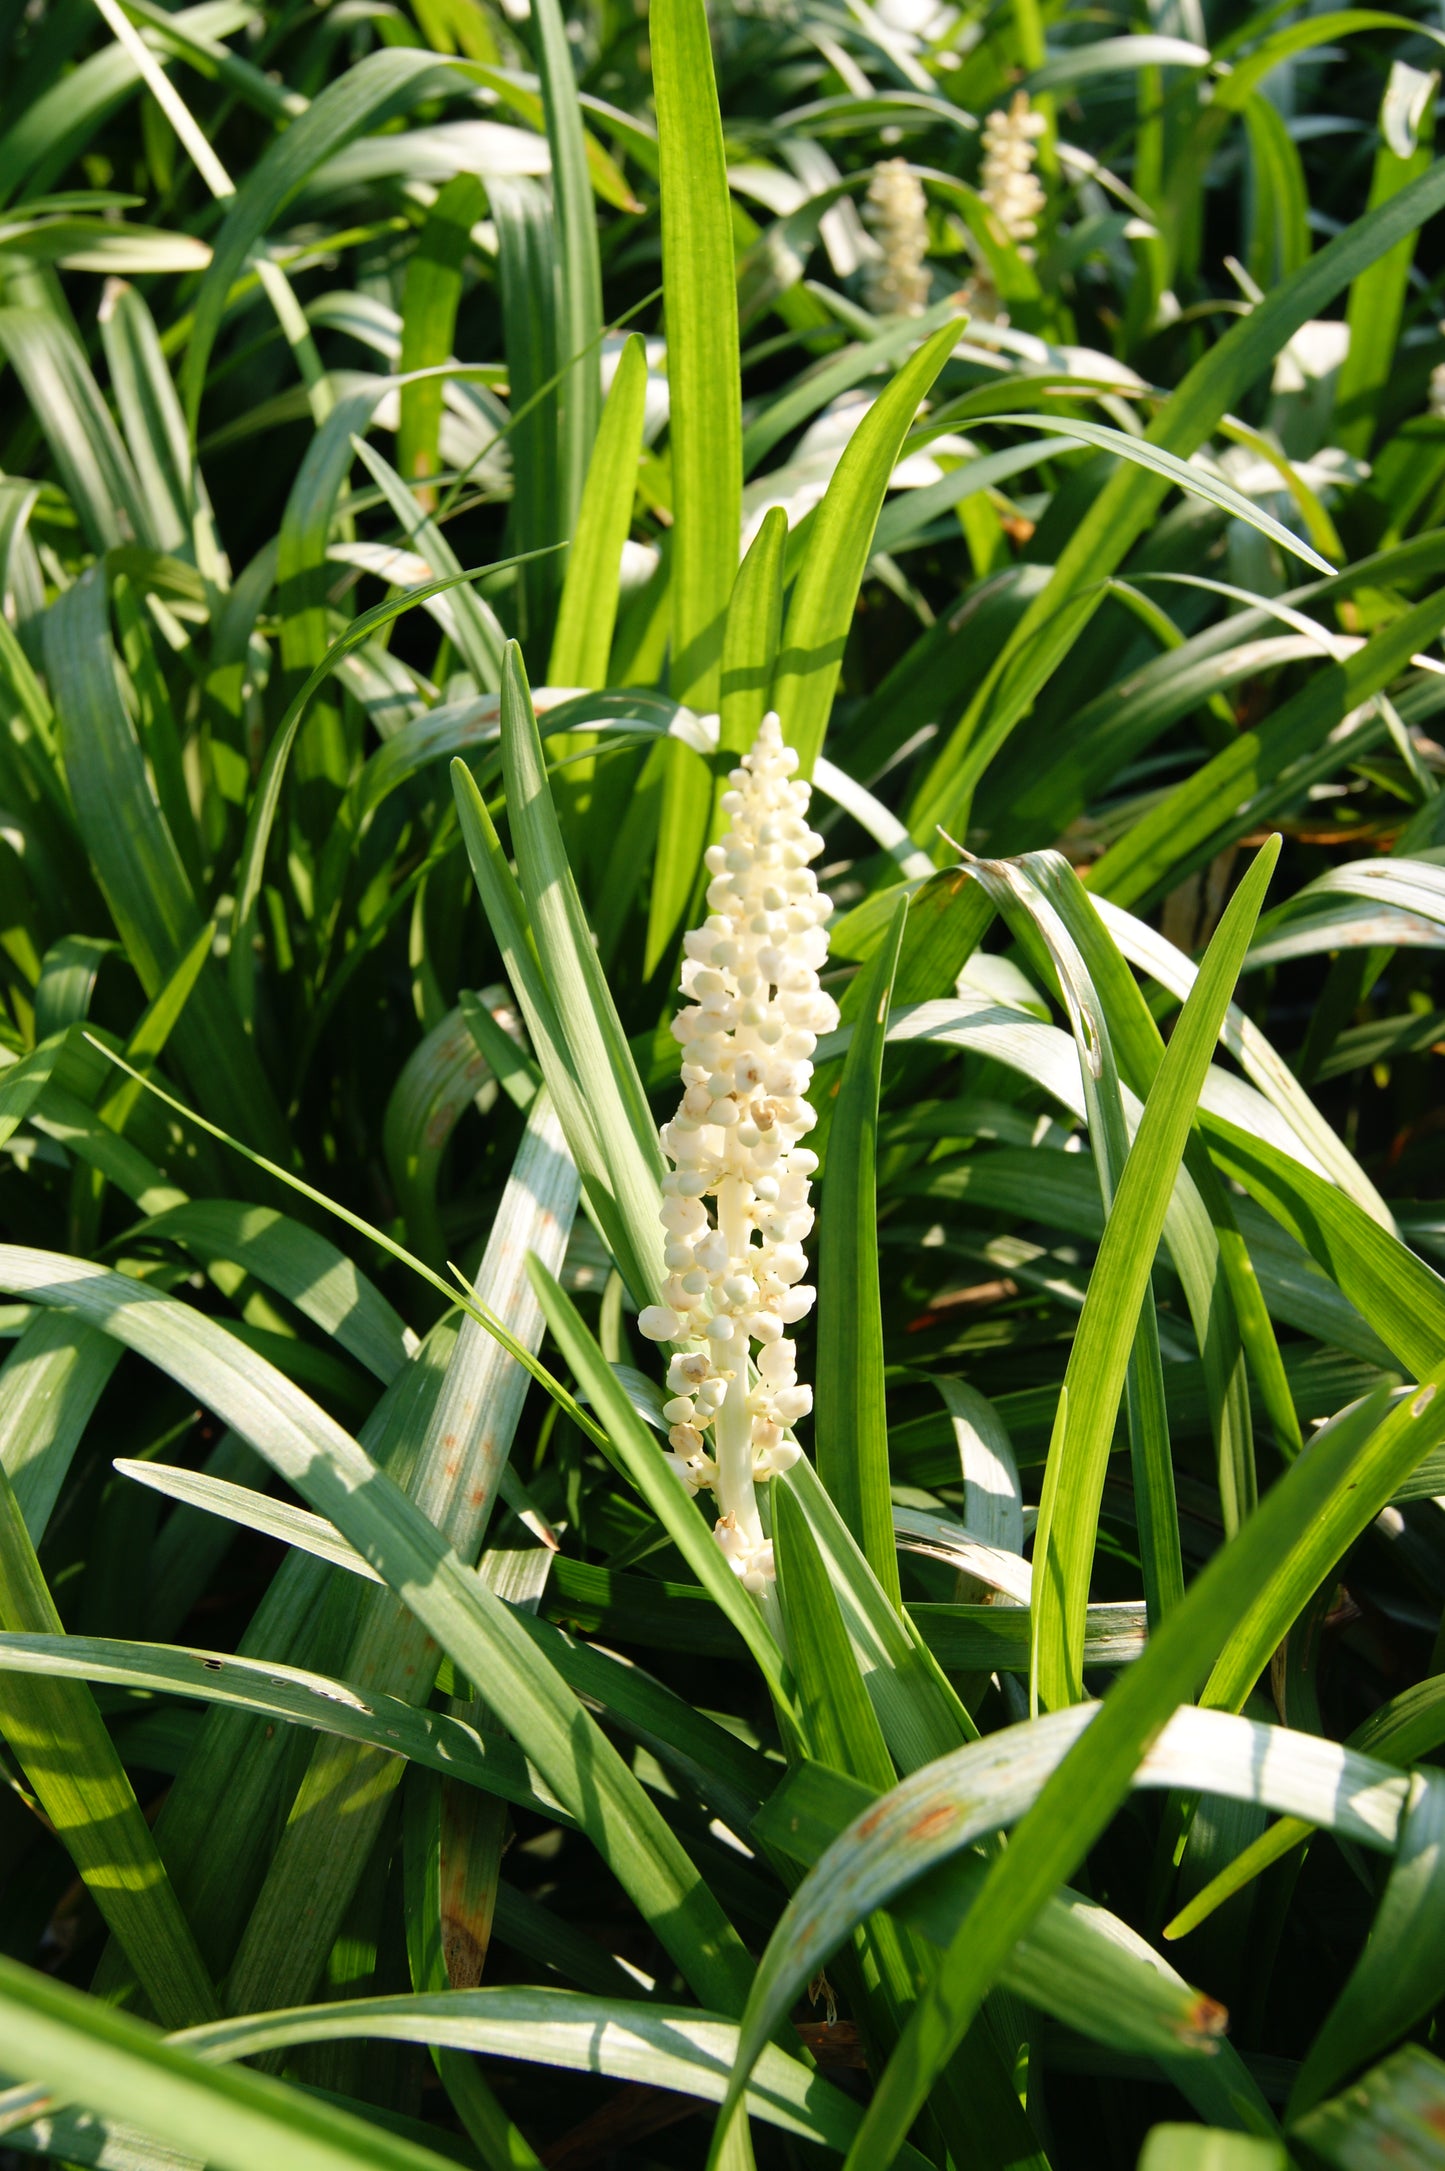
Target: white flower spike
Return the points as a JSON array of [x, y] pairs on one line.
[[896, 280], [754, 1014], [1010, 186]]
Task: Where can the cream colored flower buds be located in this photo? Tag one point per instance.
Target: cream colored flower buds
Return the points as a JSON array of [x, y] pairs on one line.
[[896, 279], [748, 1033], [1010, 186]]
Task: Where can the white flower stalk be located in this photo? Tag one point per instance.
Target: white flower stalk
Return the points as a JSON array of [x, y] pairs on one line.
[[1010, 187], [896, 280], [748, 1033]]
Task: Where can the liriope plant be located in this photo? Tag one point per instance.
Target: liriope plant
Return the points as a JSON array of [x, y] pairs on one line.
[[1093, 508]]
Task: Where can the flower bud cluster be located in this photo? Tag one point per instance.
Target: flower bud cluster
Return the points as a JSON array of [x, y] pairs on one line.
[[1010, 186], [896, 280], [748, 1034]]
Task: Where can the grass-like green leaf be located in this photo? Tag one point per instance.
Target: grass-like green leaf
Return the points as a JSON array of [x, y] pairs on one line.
[[750, 643], [240, 2120], [1402, 1730], [852, 1423], [428, 320], [705, 427], [826, 591], [601, 1059], [587, 613], [285, 1693], [1396, 1979], [579, 300], [60, 1741], [1073, 1482], [1394, 2109]]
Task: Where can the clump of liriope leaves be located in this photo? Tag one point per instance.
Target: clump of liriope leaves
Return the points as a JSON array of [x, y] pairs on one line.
[[438, 1723]]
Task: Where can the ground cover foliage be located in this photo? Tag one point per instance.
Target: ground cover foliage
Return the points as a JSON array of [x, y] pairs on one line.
[[395, 1771]]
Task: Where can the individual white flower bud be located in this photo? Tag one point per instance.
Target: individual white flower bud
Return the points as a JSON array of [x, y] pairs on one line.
[[758, 1570], [679, 1411], [771, 1460], [698, 1471], [750, 1556], [658, 1322], [729, 1537], [684, 1216], [778, 1363]]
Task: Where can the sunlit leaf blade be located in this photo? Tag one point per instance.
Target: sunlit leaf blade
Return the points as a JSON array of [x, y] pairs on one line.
[[1097, 1362], [59, 1739], [1396, 2109], [428, 321], [454, 1479], [705, 428], [826, 591], [579, 314], [284, 1693], [1396, 1979], [587, 613], [1402, 1730], [665, 2046], [852, 1424], [242, 2120]]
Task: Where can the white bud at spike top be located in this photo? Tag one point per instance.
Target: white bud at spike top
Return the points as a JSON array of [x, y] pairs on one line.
[[735, 1201]]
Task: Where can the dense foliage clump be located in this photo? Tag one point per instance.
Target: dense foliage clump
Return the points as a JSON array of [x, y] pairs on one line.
[[620, 626]]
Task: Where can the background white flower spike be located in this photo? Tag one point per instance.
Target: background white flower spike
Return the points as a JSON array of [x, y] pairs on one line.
[[896, 280], [1010, 186], [748, 1033]]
